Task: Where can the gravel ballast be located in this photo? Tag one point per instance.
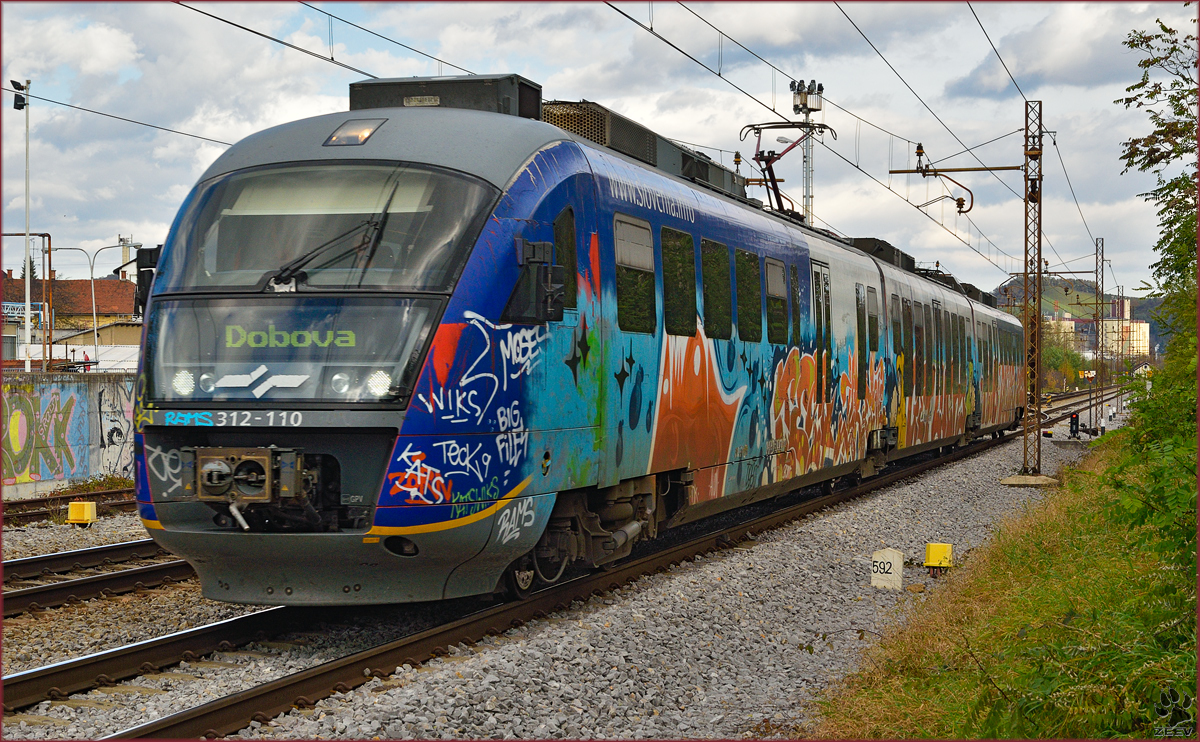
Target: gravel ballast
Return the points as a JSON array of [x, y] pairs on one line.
[[717, 647], [44, 537]]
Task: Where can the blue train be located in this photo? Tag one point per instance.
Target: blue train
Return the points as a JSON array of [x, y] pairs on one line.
[[458, 339]]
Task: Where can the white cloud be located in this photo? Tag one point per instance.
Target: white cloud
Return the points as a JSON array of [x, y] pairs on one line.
[[161, 63]]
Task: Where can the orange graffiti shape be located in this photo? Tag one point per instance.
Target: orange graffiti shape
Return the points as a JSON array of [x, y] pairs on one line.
[[695, 416]]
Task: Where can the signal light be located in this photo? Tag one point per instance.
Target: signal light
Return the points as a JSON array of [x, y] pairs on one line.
[[19, 101]]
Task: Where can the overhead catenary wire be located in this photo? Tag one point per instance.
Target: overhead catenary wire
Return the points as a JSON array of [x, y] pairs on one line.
[[789, 75], [671, 44], [279, 41], [385, 38], [119, 118], [997, 51], [844, 159], [939, 119], [977, 146], [1053, 140]]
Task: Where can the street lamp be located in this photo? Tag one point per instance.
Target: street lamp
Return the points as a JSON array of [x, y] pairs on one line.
[[92, 277]]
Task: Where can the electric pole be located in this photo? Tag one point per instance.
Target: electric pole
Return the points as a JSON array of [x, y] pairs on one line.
[[1032, 284]]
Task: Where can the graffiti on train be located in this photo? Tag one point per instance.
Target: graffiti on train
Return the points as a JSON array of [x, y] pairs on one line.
[[475, 361]]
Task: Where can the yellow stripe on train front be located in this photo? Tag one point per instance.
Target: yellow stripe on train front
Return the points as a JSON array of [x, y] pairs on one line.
[[456, 522], [152, 525]]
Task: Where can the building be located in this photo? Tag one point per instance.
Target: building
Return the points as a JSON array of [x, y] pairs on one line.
[[1126, 337], [70, 304], [122, 332]]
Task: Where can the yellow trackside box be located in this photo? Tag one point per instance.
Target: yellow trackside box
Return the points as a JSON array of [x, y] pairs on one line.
[[81, 513], [939, 555]]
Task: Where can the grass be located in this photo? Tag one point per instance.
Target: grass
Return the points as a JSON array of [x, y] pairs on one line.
[[1065, 625], [95, 484]]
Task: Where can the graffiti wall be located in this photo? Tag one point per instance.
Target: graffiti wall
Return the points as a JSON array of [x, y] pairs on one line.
[[62, 428]]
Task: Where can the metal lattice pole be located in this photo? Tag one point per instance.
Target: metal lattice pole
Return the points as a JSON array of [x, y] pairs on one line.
[[1099, 321], [1032, 284]]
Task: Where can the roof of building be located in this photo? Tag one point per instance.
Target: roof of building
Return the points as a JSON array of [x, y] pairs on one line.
[[74, 296]]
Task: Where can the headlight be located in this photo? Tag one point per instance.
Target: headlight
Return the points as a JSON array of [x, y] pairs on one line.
[[184, 383], [340, 382], [379, 382], [207, 383]]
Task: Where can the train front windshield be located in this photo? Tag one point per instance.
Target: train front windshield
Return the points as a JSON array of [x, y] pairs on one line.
[[367, 253], [331, 225]]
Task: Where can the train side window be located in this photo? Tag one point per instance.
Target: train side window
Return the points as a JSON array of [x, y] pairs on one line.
[[908, 347], [964, 350], [565, 250], [955, 358], [948, 349], [797, 314], [777, 313], [992, 354], [860, 306], [918, 357], [749, 296], [897, 348], [679, 282], [930, 349], [635, 277], [718, 301], [937, 366], [873, 317]]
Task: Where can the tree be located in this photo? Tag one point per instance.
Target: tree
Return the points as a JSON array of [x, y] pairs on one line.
[[32, 269], [1168, 91]]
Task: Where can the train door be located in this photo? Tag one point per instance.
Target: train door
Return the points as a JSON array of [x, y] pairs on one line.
[[822, 314], [557, 424]]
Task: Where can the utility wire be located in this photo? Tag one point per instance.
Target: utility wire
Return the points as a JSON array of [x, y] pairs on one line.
[[385, 38], [844, 159], [280, 41], [977, 146], [909, 141], [788, 75], [1054, 140], [1058, 152], [939, 120], [119, 118], [666, 41], [1002, 64], [922, 100]]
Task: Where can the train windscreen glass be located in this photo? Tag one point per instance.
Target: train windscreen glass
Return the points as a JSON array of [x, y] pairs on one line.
[[328, 226], [300, 348]]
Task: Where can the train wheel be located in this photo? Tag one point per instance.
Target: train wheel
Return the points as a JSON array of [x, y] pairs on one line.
[[519, 578]]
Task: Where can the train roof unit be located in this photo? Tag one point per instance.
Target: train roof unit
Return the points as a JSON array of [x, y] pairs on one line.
[[423, 113], [517, 96]]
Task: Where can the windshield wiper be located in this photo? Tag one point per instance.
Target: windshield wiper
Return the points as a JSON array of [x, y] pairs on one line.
[[290, 270], [378, 235]]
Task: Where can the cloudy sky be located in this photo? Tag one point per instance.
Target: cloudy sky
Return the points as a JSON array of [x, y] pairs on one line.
[[94, 178]]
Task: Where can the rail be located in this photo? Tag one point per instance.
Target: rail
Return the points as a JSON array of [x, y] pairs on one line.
[[234, 712]]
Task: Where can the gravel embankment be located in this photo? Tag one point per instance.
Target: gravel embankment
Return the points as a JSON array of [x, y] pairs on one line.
[[718, 647]]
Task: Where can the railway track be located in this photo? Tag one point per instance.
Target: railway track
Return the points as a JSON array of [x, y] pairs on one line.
[[228, 714], [44, 581], [33, 509]]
